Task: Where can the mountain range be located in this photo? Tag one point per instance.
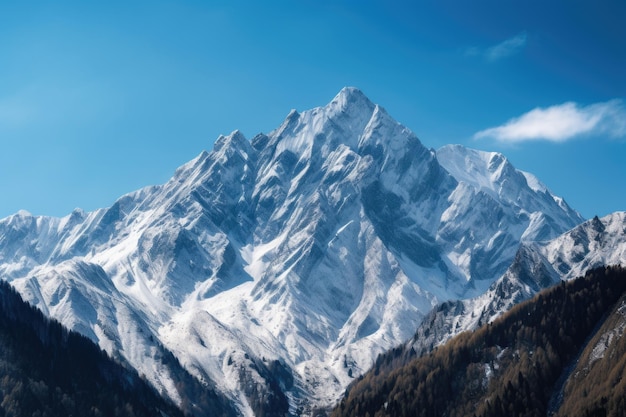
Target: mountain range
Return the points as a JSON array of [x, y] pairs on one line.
[[537, 265], [275, 270]]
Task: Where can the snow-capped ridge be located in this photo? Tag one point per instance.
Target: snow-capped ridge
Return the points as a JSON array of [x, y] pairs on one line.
[[493, 174], [482, 170], [351, 97], [235, 139], [537, 265], [382, 131]]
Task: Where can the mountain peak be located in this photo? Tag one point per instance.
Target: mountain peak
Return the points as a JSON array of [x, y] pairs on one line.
[[351, 91], [350, 97], [321, 129], [235, 139]]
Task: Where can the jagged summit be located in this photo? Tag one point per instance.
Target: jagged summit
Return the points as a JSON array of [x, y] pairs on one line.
[[342, 121], [351, 97], [349, 119], [236, 136], [285, 263], [233, 142]]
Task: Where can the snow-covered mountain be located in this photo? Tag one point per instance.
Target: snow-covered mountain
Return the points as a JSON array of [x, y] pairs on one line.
[[537, 265], [279, 268]]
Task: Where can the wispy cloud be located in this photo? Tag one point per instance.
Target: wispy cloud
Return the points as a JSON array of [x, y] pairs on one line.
[[502, 50], [508, 47], [562, 122]]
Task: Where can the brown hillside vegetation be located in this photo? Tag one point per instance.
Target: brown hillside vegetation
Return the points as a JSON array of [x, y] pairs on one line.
[[597, 385], [509, 367]]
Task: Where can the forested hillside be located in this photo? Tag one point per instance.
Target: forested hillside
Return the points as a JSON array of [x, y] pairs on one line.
[[597, 384], [514, 366], [45, 370]]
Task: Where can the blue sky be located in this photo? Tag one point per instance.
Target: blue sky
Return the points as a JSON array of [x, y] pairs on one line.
[[98, 99]]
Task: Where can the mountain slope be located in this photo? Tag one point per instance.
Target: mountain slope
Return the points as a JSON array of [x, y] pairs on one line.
[[510, 367], [46, 370], [537, 265], [597, 384], [285, 263]]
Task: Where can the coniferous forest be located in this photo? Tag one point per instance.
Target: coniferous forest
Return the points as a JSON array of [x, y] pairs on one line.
[[551, 355], [46, 370]]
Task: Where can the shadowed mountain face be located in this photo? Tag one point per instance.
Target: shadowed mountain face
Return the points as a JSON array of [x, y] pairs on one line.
[[280, 267]]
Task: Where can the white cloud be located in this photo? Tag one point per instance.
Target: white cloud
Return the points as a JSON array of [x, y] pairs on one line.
[[508, 47], [502, 50], [562, 122]]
